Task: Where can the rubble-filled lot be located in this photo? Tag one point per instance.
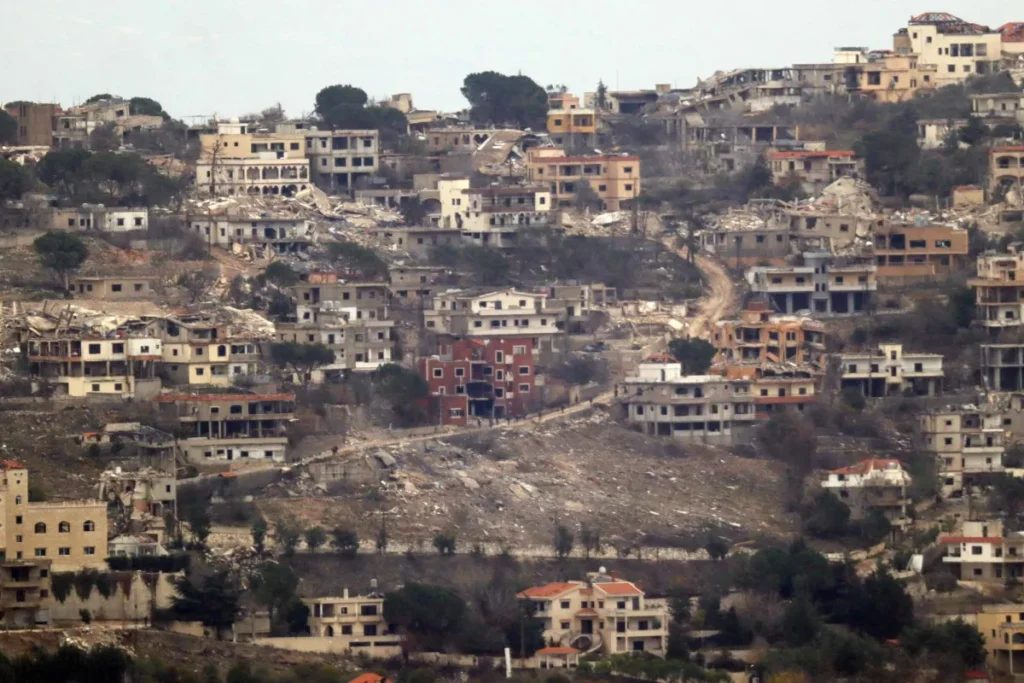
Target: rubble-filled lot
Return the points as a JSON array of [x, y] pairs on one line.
[[512, 487]]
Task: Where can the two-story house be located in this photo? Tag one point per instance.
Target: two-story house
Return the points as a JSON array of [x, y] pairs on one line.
[[890, 371]]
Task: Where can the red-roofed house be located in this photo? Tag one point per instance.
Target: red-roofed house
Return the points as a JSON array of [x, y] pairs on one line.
[[813, 168], [983, 552], [873, 484], [602, 614]]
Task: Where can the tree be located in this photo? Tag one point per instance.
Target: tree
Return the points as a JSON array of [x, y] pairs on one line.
[[274, 587], [402, 389], [875, 527], [287, 534], [413, 211], [14, 180], [1008, 496], [563, 541], [301, 358], [104, 138], [345, 541], [199, 522], [430, 615], [211, 599], [147, 107], [498, 100], [61, 252], [601, 95], [345, 106], [444, 543], [281, 274], [315, 538], [197, 283], [97, 98], [359, 260], [695, 354], [789, 439], [974, 132], [890, 156], [334, 96], [827, 516], [954, 638], [259, 534], [590, 539], [800, 622], [716, 547], [883, 609], [8, 129], [586, 199]]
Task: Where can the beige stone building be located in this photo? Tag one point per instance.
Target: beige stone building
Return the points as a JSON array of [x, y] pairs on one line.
[[761, 336], [1006, 169], [232, 163], [339, 159], [602, 615], [968, 443], [956, 48], [198, 351], [417, 282], [26, 596], [70, 535], [358, 344], [354, 625], [888, 77], [112, 287], [999, 293], [84, 365], [614, 179]]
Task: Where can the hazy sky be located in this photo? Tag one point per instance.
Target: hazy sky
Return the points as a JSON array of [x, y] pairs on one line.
[[229, 57]]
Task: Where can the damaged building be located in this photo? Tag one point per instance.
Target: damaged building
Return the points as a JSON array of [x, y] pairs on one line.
[[764, 337], [823, 286], [890, 371]]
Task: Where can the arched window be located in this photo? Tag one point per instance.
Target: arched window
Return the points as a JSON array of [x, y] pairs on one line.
[[40, 528], [64, 527], [89, 526], [329, 631]]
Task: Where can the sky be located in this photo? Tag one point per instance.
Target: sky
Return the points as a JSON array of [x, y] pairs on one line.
[[232, 57]]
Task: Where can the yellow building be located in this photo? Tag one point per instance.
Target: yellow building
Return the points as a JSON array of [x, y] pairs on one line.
[[918, 251], [1002, 627], [71, 535], [888, 77], [353, 625], [252, 163], [958, 49], [573, 124], [614, 179]]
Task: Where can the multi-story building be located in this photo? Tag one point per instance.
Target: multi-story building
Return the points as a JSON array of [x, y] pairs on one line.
[[814, 169], [1002, 367], [576, 302], [573, 125], [984, 551], [26, 595], [112, 287], [340, 158], [498, 216], [273, 234], [234, 427], [360, 344], [602, 614], [956, 48], [918, 251], [821, 286], [357, 622], [201, 352], [614, 179], [1006, 168], [233, 163], [999, 293], [417, 282], [1002, 627], [998, 107], [775, 387], [486, 378], [711, 409], [890, 371], [90, 217], [35, 122], [326, 292], [507, 313], [968, 443], [873, 484], [83, 365], [760, 336], [70, 535], [886, 77]]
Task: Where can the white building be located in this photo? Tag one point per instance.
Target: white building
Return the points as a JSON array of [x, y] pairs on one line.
[[890, 371], [984, 551], [497, 216], [873, 484], [507, 313], [820, 286], [958, 49]]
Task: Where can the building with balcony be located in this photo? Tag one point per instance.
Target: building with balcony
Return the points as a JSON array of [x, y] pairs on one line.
[[340, 158], [759, 336], [360, 345], [481, 378], [999, 293], [499, 216], [65, 535], [813, 169], [230, 427], [984, 551], [84, 365], [914, 252], [615, 179], [280, 234], [1006, 169], [507, 313], [198, 351], [602, 615], [956, 48], [233, 163], [711, 409], [968, 443], [1002, 627], [890, 371], [873, 484], [573, 125], [1000, 107], [823, 286], [355, 624], [26, 595]]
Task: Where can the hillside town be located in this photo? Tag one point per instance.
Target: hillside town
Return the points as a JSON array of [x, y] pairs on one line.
[[709, 383]]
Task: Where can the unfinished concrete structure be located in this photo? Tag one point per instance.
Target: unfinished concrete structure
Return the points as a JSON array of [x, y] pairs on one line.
[[824, 285], [913, 252], [890, 371], [339, 159], [500, 217], [999, 292], [968, 443], [761, 336], [873, 484], [1002, 366]]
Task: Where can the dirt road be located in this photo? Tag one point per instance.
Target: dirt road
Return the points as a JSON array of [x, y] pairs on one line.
[[720, 300]]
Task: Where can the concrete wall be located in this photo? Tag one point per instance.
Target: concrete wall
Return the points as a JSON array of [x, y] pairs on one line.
[[135, 604]]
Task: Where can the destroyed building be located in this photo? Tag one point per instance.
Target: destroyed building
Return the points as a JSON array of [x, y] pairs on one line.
[[813, 169], [202, 350], [234, 161], [615, 179], [999, 293], [341, 158], [919, 251], [968, 443], [890, 371], [500, 217], [763, 337], [1006, 169], [228, 225], [824, 285], [416, 282], [875, 484]]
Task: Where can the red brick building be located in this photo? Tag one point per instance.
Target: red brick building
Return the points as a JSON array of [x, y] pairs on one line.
[[480, 378]]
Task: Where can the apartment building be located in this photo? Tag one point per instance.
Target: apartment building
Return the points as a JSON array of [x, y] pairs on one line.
[[1006, 168], [356, 623], [417, 282], [486, 379], [984, 551], [886, 77], [775, 387], [573, 125], [576, 302], [202, 352], [69, 535], [890, 371], [968, 443], [1002, 627], [273, 234], [1002, 367], [329, 294], [913, 252], [602, 614], [232, 163], [814, 169], [360, 345], [35, 123], [958, 49], [498, 216], [822, 286], [614, 179], [507, 313], [231, 427], [761, 336], [85, 365], [873, 484], [112, 287], [711, 409], [340, 158], [999, 293], [26, 595]]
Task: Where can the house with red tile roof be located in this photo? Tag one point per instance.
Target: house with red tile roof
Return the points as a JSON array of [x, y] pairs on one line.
[[603, 614], [874, 484]]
